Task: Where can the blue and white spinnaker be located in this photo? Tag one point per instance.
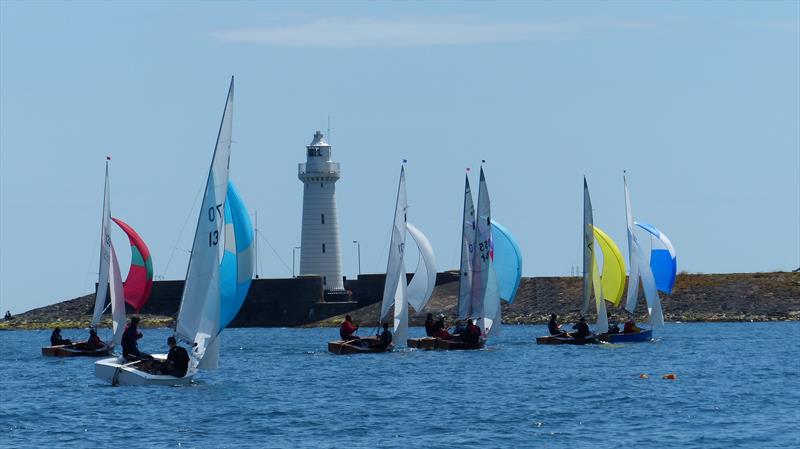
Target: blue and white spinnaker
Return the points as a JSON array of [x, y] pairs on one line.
[[663, 262]]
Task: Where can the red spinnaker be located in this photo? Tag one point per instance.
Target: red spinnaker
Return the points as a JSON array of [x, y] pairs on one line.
[[139, 282]]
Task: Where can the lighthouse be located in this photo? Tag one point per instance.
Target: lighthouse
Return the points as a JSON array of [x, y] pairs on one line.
[[320, 246]]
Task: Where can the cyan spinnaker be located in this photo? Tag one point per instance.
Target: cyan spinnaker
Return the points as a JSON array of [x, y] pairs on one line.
[[663, 262], [238, 262], [507, 261]]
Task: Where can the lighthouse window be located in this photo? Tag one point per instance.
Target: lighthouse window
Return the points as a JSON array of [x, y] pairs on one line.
[[324, 280], [323, 247], [323, 218]]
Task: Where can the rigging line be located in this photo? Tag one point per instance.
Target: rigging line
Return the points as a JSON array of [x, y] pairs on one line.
[[183, 228], [276, 253]]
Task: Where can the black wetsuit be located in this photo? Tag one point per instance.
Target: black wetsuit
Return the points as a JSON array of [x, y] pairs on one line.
[[55, 339], [130, 348], [583, 330], [384, 340], [429, 330], [177, 362]]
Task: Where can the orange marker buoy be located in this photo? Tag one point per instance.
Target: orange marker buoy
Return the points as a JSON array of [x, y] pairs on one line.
[[643, 376], [669, 376]]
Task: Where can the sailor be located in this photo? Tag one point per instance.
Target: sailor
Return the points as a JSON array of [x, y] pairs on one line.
[[94, 341], [429, 331], [177, 362], [56, 340], [472, 334], [631, 327], [441, 332], [384, 338], [439, 324], [461, 327], [554, 327], [8, 315], [582, 329], [348, 329], [130, 347]]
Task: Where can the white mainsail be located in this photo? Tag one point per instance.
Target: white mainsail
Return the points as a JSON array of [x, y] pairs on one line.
[[467, 250], [105, 254], [117, 300], [591, 275], [394, 291], [485, 291], [199, 314], [640, 269], [422, 284]]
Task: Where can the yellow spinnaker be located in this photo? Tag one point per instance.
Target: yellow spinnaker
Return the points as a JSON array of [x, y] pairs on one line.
[[613, 278]]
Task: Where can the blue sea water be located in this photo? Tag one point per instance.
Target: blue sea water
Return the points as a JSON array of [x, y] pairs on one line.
[[738, 385]]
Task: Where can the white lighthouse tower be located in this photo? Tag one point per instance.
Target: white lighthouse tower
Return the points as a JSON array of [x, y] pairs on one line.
[[320, 246]]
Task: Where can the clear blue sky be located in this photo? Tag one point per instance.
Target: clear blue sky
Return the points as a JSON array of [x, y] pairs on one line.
[[700, 102]]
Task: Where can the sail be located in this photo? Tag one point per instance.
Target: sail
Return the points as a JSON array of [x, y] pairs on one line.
[[393, 292], [613, 277], [467, 255], [663, 262], [491, 305], [591, 275], [117, 300], [105, 255], [238, 262], [199, 314], [421, 286], [139, 282], [640, 271], [507, 261], [482, 250], [588, 247]]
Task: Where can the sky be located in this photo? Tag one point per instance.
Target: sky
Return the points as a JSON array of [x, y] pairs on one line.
[[699, 102]]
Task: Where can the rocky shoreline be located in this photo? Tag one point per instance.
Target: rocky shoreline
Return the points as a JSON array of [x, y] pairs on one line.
[[697, 297]]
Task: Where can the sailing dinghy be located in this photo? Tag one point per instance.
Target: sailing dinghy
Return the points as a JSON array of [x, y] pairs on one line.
[[592, 282], [109, 273], [491, 270], [215, 287], [397, 290], [658, 274]]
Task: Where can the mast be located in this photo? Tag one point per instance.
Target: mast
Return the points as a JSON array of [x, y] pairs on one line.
[[105, 253]]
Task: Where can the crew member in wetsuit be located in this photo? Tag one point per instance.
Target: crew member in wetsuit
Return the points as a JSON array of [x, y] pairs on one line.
[[554, 327], [56, 340], [582, 329], [94, 341], [348, 329], [384, 338], [631, 327], [429, 331], [130, 347], [472, 334], [177, 362], [460, 328]]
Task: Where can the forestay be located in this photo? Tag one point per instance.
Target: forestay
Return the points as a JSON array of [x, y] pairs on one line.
[[199, 315]]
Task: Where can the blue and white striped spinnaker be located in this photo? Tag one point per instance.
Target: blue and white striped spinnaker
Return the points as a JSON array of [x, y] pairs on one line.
[[663, 262], [238, 262]]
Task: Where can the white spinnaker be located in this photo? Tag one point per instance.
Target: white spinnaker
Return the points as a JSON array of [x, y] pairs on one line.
[[105, 254], [422, 284], [117, 300], [395, 267], [467, 255], [482, 250], [640, 269], [199, 315]]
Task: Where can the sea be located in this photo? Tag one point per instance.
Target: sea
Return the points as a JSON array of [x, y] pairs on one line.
[[737, 385]]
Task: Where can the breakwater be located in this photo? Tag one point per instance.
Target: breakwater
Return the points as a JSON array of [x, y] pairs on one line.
[[302, 301]]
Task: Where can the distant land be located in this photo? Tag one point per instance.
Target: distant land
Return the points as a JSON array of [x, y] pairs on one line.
[[696, 297]]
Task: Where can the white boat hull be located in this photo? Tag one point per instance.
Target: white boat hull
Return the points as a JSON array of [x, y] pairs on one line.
[[116, 372]]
